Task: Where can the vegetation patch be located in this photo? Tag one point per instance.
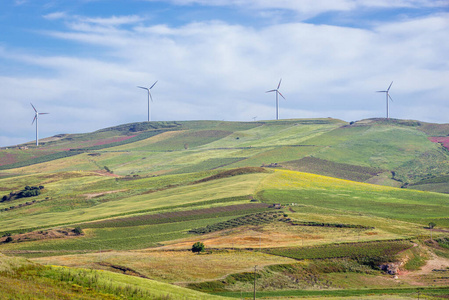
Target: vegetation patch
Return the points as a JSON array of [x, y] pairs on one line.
[[370, 253], [178, 216], [333, 169], [233, 172], [42, 235], [28, 191], [305, 275], [252, 219], [322, 224]]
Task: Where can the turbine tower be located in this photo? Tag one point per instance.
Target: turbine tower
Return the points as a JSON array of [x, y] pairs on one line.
[[36, 118], [277, 98], [149, 97], [387, 93]]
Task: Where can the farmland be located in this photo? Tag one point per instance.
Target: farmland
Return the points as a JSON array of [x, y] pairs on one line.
[[294, 197]]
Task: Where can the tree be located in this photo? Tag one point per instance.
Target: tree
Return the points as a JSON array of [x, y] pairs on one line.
[[8, 239], [198, 247], [78, 230], [432, 225]]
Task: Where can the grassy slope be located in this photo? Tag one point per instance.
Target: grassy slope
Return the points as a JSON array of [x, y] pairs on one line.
[[22, 279], [395, 213], [352, 197]]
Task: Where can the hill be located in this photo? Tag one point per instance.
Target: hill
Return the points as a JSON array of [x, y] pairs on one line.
[[294, 197]]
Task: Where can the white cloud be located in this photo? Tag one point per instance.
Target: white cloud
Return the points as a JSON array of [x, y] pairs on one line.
[[214, 70]]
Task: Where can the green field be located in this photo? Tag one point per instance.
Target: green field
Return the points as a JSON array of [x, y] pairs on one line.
[[294, 197]]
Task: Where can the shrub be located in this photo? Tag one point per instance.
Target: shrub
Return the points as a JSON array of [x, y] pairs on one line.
[[78, 230], [8, 239], [198, 247]]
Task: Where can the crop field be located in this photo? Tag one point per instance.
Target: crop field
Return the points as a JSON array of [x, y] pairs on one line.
[[359, 251], [332, 169]]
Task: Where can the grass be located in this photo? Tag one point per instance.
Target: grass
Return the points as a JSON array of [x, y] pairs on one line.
[[409, 292], [171, 177], [172, 266], [370, 253], [332, 169], [26, 280], [347, 196]]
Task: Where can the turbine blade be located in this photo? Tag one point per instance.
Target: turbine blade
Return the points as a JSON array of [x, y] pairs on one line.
[[153, 85], [381, 91], [33, 120], [43, 113], [279, 83], [390, 86], [33, 107], [270, 91], [281, 95], [390, 98], [151, 97], [143, 87]]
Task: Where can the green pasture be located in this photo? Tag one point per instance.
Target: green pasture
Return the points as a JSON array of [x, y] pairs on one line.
[[389, 293], [116, 238], [76, 209], [346, 196]]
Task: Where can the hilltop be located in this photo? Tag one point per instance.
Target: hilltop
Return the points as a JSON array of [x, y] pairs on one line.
[[321, 206], [401, 153]]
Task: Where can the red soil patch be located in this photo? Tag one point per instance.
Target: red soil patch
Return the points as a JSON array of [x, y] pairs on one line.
[[86, 144], [8, 158], [443, 140]]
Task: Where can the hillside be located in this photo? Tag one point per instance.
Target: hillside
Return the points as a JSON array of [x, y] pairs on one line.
[[311, 202], [394, 152]]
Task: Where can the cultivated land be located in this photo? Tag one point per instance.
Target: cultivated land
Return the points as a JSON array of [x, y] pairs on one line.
[[323, 208]]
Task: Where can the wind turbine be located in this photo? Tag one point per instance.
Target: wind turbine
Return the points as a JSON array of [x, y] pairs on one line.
[[149, 97], [277, 98], [36, 118], [387, 93]]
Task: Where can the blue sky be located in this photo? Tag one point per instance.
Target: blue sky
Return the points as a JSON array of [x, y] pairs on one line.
[[81, 61]]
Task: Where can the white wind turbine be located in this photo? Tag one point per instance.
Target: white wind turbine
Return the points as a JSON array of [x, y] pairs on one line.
[[36, 118], [387, 93], [149, 97], [277, 98]]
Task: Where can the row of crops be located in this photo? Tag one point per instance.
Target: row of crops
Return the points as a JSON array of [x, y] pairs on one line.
[[369, 252], [251, 219]]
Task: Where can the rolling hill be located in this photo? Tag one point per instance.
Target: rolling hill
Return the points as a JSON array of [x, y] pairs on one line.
[[132, 199]]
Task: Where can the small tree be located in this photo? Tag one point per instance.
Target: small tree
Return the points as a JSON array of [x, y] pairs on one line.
[[198, 247], [78, 230], [432, 225]]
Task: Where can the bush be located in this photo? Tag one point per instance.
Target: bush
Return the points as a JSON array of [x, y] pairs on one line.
[[78, 230], [8, 239], [198, 247]]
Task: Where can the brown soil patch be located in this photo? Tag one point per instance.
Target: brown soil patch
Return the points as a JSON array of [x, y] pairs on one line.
[[243, 237], [93, 195], [42, 235], [435, 272]]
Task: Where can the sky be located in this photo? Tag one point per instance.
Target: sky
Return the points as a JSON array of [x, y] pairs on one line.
[[81, 61]]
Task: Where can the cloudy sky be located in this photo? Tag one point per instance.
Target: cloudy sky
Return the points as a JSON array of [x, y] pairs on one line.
[[81, 61]]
